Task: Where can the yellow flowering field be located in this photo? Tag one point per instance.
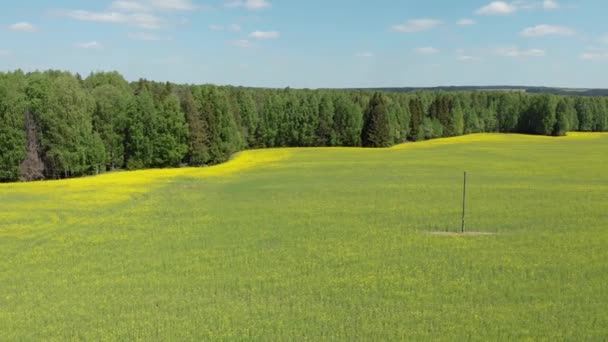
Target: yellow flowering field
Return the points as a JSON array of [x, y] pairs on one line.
[[318, 244]]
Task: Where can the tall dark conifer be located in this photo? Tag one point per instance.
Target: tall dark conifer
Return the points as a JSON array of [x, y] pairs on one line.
[[376, 123]]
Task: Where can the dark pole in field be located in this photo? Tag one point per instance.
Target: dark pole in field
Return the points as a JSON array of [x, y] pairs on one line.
[[464, 200]]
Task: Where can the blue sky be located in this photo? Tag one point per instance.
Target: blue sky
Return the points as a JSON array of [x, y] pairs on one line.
[[315, 43]]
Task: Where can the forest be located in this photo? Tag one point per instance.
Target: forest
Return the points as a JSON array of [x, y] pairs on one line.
[[55, 124]]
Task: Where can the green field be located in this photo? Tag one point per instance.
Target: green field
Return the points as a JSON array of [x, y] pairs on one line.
[[318, 244]]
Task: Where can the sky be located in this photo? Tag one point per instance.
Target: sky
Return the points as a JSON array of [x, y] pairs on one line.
[[314, 43]]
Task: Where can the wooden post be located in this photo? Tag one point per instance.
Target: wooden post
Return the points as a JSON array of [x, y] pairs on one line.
[[464, 201]]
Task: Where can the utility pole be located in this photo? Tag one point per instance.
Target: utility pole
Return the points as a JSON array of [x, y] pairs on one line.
[[464, 201]]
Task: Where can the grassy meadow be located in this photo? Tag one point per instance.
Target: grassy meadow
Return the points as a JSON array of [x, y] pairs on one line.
[[318, 244]]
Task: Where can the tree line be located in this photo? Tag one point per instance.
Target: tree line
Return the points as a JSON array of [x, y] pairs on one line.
[[55, 124]]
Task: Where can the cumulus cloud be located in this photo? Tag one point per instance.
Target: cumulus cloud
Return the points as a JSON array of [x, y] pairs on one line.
[[93, 45], [143, 20], [427, 50], [265, 35], [550, 4], [416, 25], [516, 52], [497, 8], [248, 4], [151, 5], [129, 6], [178, 5], [465, 22], [23, 26], [546, 30]]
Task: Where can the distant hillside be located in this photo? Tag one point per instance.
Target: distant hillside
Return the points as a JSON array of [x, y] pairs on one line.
[[533, 90]]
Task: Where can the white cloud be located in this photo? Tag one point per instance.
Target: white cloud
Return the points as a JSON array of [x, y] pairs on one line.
[[4, 53], [465, 58], [516, 52], [23, 26], [248, 4], [265, 35], [243, 43], [545, 30], [150, 5], [230, 28], [416, 25], [497, 8], [146, 36], [465, 22], [129, 6], [427, 50], [592, 56], [178, 5], [550, 4], [143, 20], [93, 45], [365, 54]]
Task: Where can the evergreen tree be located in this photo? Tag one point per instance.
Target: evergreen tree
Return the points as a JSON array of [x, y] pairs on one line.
[[223, 134], [249, 117], [417, 120], [198, 141], [325, 135], [376, 124]]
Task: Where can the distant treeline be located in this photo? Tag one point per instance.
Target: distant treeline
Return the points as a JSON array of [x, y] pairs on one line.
[[531, 90], [56, 125]]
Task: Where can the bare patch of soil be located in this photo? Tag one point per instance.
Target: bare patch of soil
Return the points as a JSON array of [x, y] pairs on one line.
[[462, 234]]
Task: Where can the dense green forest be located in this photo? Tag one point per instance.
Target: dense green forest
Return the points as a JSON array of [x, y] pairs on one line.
[[55, 124]]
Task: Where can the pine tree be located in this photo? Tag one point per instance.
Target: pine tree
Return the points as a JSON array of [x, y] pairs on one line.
[[325, 135], [249, 116], [198, 132], [376, 124], [417, 119]]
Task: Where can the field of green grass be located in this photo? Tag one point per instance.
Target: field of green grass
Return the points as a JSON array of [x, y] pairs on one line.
[[318, 244]]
